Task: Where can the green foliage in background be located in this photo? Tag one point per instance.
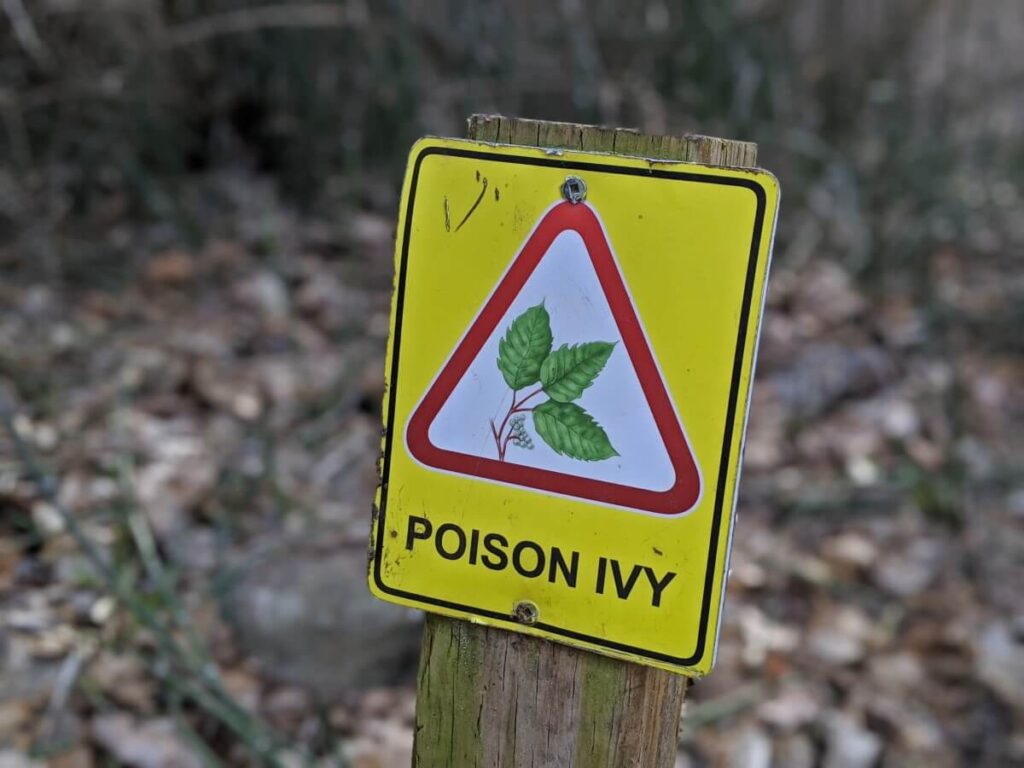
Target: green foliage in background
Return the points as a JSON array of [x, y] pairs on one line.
[[116, 103]]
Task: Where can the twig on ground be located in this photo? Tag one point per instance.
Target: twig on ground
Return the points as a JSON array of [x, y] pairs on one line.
[[720, 708]]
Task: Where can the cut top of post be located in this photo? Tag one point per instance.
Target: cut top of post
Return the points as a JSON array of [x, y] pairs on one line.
[[694, 148]]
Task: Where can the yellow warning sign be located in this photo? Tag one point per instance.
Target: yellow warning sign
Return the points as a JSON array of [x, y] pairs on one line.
[[570, 359]]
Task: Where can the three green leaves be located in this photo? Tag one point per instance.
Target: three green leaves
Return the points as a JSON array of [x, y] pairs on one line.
[[525, 357]]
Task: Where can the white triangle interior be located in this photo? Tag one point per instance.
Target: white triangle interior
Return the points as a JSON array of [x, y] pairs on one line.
[[566, 283]]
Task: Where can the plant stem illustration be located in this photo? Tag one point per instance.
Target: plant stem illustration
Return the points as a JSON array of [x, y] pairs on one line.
[[526, 359]]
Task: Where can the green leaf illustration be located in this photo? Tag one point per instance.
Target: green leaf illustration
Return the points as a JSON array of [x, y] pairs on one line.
[[526, 344], [571, 369], [571, 431]]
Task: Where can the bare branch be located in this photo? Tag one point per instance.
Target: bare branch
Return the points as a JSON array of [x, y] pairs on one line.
[[289, 16], [25, 32]]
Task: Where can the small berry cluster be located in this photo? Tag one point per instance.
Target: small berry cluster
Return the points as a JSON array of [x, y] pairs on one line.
[[519, 436]]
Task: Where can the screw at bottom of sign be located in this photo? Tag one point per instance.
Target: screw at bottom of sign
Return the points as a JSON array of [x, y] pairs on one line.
[[525, 612]]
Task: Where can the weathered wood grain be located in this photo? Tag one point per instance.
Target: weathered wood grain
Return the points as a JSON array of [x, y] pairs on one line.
[[488, 698], [621, 141]]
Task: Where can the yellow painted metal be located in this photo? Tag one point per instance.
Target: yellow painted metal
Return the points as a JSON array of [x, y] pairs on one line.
[[695, 259]]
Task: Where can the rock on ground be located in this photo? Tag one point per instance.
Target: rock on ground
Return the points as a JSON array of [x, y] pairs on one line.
[[306, 614]]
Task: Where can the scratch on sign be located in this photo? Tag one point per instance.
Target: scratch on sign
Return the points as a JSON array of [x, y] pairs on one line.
[[483, 191]]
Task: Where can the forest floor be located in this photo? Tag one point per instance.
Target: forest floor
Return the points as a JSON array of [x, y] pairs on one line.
[[208, 419]]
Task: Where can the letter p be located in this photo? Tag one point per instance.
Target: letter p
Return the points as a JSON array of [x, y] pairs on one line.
[[419, 528]]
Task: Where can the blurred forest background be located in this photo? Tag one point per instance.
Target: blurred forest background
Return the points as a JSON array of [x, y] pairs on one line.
[[197, 204]]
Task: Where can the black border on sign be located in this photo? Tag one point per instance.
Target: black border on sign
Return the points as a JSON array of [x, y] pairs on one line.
[[734, 390]]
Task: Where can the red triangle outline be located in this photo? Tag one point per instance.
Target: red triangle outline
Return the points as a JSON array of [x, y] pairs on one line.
[[685, 491]]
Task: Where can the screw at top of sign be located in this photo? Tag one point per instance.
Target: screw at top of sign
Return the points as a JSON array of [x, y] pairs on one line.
[[574, 189]]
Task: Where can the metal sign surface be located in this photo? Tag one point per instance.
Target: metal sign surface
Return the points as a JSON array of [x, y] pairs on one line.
[[571, 353]]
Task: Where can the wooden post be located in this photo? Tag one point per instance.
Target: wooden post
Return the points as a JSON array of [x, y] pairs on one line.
[[488, 698]]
